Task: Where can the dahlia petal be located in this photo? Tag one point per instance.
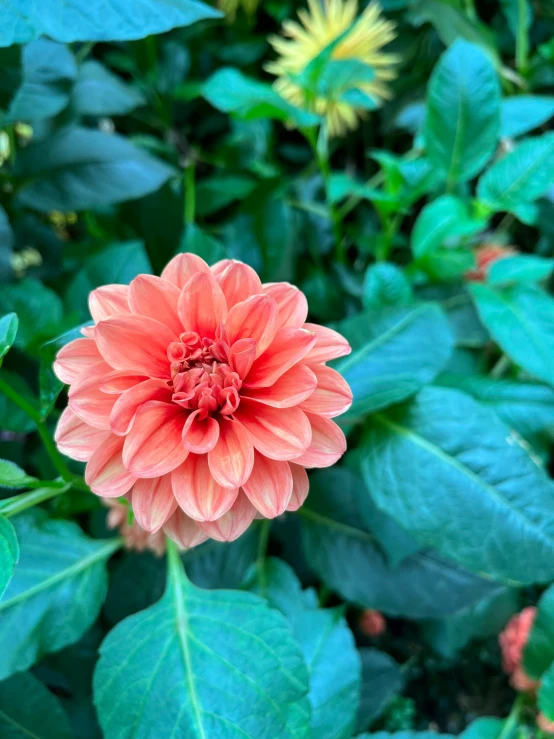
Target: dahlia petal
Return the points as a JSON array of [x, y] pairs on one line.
[[232, 458], [105, 472], [182, 267], [328, 345], [196, 491], [332, 395], [136, 343], [74, 358], [300, 486], [116, 382], [183, 530], [153, 502], [254, 318], [233, 523], [297, 384], [88, 402], [156, 298], [237, 280], [202, 305], [328, 443], [269, 487], [127, 404], [108, 301], [241, 356], [289, 346], [200, 436], [153, 445], [277, 433], [291, 303], [88, 331], [75, 438]]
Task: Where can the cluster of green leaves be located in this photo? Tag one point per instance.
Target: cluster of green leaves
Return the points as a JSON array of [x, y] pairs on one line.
[[126, 138]]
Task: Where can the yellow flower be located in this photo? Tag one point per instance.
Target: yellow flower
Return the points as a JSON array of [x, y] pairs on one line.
[[361, 39], [230, 7]]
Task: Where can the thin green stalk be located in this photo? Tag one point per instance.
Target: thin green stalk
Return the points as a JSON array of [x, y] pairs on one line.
[[189, 191], [513, 719], [522, 38], [18, 503], [175, 567], [501, 367], [265, 527], [14, 396]]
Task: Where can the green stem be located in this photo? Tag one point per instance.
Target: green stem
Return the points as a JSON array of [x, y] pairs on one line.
[[175, 567], [84, 51], [522, 38], [470, 9], [18, 503], [513, 719], [190, 193], [14, 396], [265, 527], [501, 367]]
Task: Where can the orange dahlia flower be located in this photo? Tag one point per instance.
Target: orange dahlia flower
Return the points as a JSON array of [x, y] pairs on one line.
[[202, 395]]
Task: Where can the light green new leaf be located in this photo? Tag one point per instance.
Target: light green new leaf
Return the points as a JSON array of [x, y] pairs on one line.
[[347, 556], [28, 710], [523, 175], [58, 587], [538, 653], [521, 321], [8, 331], [444, 220], [220, 662], [99, 92], [12, 476], [80, 20], [520, 268], [522, 113], [9, 553], [79, 168], [395, 352], [381, 680], [459, 480], [463, 113]]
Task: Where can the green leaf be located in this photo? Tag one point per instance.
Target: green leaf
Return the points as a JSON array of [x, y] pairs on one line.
[[12, 417], [522, 113], [50, 386], [56, 592], [48, 71], [538, 653], [385, 284], [405, 735], [381, 680], [395, 352], [346, 555], [453, 474], [12, 476], [546, 693], [8, 331], [527, 407], [78, 20], [28, 710], [230, 91], [491, 728], [442, 222], [9, 553], [463, 113], [78, 169], [277, 582], [521, 321], [38, 308], [221, 662], [219, 191], [99, 92], [524, 174], [197, 241], [521, 268]]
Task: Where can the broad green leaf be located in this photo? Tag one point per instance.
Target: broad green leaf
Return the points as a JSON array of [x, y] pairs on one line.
[[12, 417], [538, 653], [395, 352], [385, 284], [230, 91], [491, 728], [38, 308], [527, 407], [219, 191], [8, 331], [521, 321], [405, 735], [451, 472], [381, 680], [342, 185], [99, 92], [546, 693], [277, 582], [28, 710], [12, 476], [78, 169], [463, 113], [524, 174], [520, 268], [9, 553], [220, 662], [56, 592], [522, 113], [48, 71], [79, 20], [199, 242], [346, 555], [443, 222]]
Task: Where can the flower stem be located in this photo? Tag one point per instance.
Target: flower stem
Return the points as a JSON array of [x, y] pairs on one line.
[[18, 503], [522, 38], [189, 193], [265, 527], [513, 718], [175, 567]]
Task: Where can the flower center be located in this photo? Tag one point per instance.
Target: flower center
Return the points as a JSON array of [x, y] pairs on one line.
[[201, 376]]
